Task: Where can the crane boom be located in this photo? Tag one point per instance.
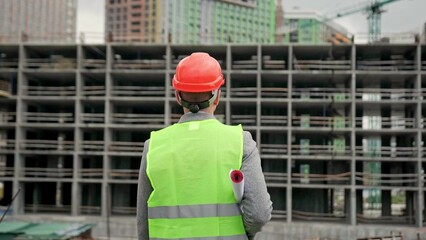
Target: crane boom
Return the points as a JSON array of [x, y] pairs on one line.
[[374, 11], [373, 8]]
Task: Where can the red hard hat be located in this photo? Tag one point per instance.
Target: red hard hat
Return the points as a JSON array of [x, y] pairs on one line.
[[198, 73]]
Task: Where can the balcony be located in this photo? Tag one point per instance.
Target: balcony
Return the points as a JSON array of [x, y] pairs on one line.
[[54, 62], [273, 120], [275, 178], [243, 113], [46, 145], [88, 118], [322, 58], [380, 94], [35, 172], [52, 91], [241, 92], [384, 179], [138, 91], [307, 122], [128, 118], [44, 117], [320, 150], [92, 146], [129, 174], [273, 149], [91, 172], [94, 57], [243, 119], [244, 58], [387, 151], [243, 85], [134, 148], [93, 91], [9, 63], [321, 65], [273, 63], [91, 166], [139, 64], [7, 117], [94, 64], [7, 146], [386, 65], [6, 172], [378, 123], [381, 57], [274, 58], [327, 179], [329, 94], [274, 92], [319, 217]]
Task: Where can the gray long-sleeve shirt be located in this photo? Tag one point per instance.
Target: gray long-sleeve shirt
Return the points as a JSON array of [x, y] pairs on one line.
[[256, 203]]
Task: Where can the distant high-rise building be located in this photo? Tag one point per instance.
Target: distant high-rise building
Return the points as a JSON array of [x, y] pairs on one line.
[[279, 21], [310, 27], [38, 20], [193, 21]]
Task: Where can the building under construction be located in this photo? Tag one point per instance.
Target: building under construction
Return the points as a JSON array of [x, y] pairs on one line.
[[340, 129]]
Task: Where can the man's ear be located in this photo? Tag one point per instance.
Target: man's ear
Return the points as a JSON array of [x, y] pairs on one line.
[[216, 101], [178, 100]]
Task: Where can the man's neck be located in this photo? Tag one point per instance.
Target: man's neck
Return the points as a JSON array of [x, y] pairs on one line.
[[206, 110]]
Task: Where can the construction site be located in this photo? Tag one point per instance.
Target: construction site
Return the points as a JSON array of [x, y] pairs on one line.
[[340, 130]]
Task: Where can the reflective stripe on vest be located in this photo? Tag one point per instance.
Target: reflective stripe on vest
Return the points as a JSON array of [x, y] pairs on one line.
[[236, 237], [188, 166], [195, 227], [195, 211]]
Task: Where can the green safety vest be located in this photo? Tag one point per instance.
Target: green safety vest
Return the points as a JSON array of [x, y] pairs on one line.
[[188, 165]]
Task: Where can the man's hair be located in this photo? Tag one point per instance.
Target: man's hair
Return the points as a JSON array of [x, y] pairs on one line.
[[196, 97]]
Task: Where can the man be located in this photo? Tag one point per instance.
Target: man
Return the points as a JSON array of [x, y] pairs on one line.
[[184, 190]]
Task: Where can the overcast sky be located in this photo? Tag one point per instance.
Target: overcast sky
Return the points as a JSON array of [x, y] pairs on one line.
[[400, 16]]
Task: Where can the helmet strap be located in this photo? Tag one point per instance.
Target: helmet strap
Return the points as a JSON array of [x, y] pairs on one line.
[[194, 107]]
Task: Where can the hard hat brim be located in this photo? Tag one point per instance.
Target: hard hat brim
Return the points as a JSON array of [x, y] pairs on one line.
[[197, 87]]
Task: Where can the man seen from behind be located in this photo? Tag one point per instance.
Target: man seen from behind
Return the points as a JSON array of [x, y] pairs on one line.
[[184, 190]]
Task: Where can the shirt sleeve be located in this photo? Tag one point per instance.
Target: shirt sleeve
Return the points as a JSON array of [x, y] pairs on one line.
[[256, 202], [144, 191]]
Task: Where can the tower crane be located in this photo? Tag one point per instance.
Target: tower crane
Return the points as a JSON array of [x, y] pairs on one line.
[[374, 10]]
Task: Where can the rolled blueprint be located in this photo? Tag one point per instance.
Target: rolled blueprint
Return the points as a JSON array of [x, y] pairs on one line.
[[237, 179]]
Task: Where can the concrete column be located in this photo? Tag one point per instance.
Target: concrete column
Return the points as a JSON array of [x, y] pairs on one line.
[[18, 205], [353, 194], [419, 142], [289, 188], [75, 191], [107, 135], [167, 86]]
